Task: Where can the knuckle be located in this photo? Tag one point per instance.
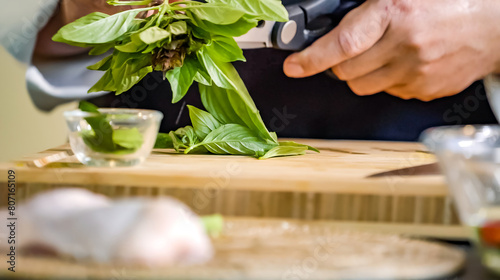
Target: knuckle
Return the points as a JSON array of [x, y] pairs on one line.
[[312, 62], [340, 72], [423, 70], [424, 91], [427, 90], [415, 40], [401, 92], [359, 88], [422, 48], [400, 7], [426, 98], [349, 43], [405, 96]]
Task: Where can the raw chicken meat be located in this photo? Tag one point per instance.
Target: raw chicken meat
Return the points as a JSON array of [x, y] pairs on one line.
[[90, 227]]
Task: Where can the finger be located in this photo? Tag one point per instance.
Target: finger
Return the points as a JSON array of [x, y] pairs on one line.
[[377, 81], [355, 34], [411, 92], [423, 90], [406, 92], [376, 57]]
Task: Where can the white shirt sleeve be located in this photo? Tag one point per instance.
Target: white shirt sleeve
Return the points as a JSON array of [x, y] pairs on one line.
[[492, 86], [49, 83]]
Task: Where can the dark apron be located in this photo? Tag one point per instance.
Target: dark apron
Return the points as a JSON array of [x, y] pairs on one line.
[[315, 107]]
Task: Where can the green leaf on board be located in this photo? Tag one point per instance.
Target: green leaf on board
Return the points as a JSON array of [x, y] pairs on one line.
[[203, 122], [164, 141], [234, 139]]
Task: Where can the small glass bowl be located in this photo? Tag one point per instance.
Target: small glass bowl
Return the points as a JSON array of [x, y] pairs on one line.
[[470, 158], [140, 125]]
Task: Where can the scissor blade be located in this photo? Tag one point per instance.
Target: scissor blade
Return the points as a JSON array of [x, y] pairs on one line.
[[257, 38], [420, 170], [251, 45]]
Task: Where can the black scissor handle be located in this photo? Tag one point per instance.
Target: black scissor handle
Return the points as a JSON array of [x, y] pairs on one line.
[[310, 20]]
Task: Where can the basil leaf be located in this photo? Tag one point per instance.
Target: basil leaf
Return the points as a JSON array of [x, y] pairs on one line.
[[102, 65], [97, 28], [128, 138], [153, 34], [272, 10], [126, 70], [103, 139], [177, 28], [214, 224], [282, 151], [203, 122], [135, 45], [101, 49], [217, 14], [293, 144], [127, 3], [187, 135], [121, 58], [220, 72], [243, 108], [105, 83], [164, 141], [179, 146], [181, 78], [274, 136], [129, 77], [229, 106], [288, 148], [216, 102], [239, 28], [225, 49], [186, 139], [88, 107], [180, 17], [100, 139], [234, 139], [202, 77]]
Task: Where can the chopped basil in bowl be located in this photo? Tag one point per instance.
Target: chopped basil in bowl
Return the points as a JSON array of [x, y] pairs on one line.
[[112, 137]]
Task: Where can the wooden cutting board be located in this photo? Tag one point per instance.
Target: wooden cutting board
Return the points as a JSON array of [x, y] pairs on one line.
[[341, 167], [279, 249]]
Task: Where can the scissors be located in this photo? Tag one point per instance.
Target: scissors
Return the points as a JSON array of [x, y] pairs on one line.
[[309, 20]]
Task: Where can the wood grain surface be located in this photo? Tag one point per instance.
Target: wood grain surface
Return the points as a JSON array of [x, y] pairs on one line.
[[341, 167], [279, 249]]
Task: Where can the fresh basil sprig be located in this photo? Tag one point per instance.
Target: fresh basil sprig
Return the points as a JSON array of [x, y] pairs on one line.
[[189, 41], [103, 138]]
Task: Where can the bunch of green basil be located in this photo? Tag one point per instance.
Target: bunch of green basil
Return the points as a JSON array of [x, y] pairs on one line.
[[189, 41]]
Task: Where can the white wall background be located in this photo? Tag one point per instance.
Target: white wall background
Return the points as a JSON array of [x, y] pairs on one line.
[[24, 129]]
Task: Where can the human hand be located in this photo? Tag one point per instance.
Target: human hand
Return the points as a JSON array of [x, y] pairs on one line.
[[411, 49]]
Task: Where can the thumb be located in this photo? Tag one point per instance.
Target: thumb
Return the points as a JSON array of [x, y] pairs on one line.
[[355, 34]]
